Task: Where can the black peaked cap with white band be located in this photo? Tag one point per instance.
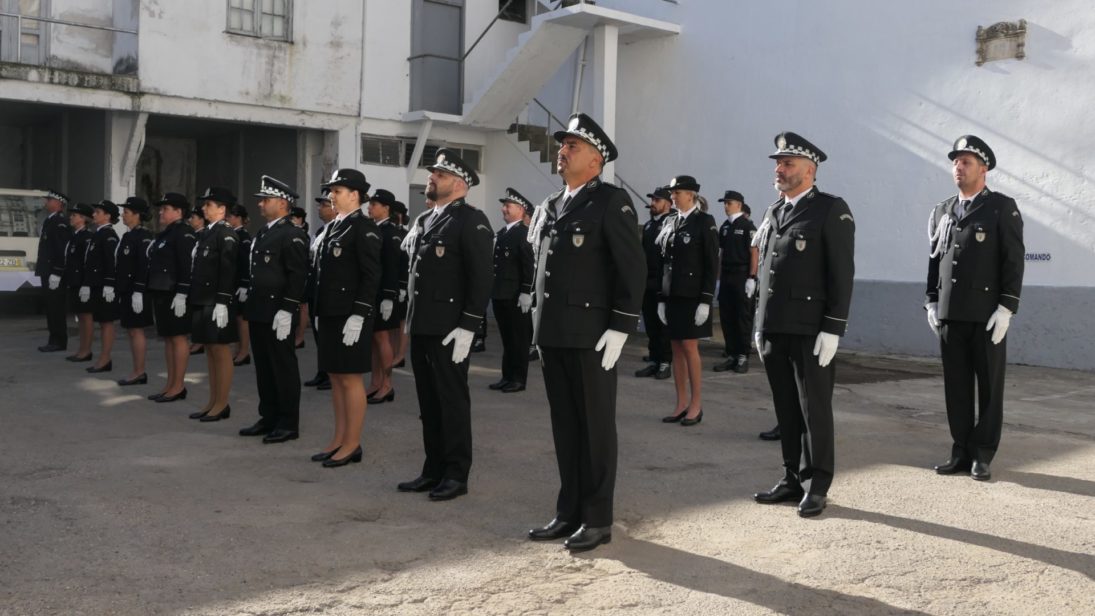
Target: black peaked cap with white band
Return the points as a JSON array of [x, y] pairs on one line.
[[449, 162], [974, 145], [273, 187], [582, 126], [792, 144]]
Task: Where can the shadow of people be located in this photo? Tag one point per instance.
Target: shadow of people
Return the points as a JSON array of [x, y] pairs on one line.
[[1039, 481]]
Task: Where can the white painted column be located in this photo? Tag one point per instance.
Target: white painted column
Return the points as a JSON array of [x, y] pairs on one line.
[[605, 51], [125, 137]]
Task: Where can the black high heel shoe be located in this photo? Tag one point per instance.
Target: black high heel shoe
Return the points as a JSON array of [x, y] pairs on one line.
[[225, 414], [107, 368], [675, 418], [242, 362], [323, 456], [334, 462], [691, 422], [77, 358], [198, 414], [179, 396], [155, 397], [140, 379], [388, 397]]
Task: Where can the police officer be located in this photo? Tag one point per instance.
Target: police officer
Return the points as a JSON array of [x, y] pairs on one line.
[[512, 292], [737, 282], [73, 277], [975, 276], [658, 347], [50, 266], [379, 209], [169, 263], [99, 280], [589, 288], [450, 284], [398, 335], [132, 280], [805, 290], [279, 267], [326, 213], [237, 219]]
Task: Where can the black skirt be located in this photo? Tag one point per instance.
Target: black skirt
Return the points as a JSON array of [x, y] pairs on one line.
[[337, 357], [204, 330], [130, 319], [681, 314], [78, 307], [103, 311], [167, 324], [392, 322]]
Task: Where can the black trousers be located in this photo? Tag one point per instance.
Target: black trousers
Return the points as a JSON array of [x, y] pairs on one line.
[[514, 328], [657, 334], [445, 405], [582, 397], [277, 375], [802, 392], [56, 308], [969, 356], [735, 311]]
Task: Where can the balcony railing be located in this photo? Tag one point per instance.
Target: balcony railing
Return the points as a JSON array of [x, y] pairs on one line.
[[63, 44]]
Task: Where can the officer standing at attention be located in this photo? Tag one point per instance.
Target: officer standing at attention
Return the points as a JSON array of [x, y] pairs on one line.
[[279, 266], [450, 285], [237, 219], [132, 279], [738, 282], [100, 264], [169, 264], [657, 334], [79, 220], [512, 294], [50, 266], [975, 276], [590, 277], [326, 213], [807, 250]]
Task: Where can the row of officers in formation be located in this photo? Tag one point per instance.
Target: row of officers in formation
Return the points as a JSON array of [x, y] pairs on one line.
[[562, 276]]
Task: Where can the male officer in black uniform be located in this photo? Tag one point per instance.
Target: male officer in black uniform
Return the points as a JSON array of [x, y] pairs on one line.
[[805, 290], [657, 334], [279, 267], [975, 276], [738, 282], [50, 266], [512, 293], [450, 285], [589, 287], [326, 212]]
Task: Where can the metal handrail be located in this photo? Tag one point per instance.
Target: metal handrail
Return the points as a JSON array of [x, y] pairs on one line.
[[485, 30], [61, 22]]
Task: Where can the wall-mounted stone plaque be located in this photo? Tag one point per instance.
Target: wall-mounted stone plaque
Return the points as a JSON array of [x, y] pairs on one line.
[[1001, 41]]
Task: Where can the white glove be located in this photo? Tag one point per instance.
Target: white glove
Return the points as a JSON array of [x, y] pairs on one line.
[[661, 313], [178, 305], [220, 316], [283, 322], [84, 294], [241, 294], [351, 331], [703, 311], [750, 287], [462, 345], [758, 341], [108, 294], [402, 295], [933, 317], [386, 309], [137, 302], [825, 348], [612, 342], [524, 302], [54, 282], [998, 323]]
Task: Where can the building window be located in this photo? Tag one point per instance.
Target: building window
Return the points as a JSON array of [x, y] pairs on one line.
[[271, 19], [516, 11], [377, 150]]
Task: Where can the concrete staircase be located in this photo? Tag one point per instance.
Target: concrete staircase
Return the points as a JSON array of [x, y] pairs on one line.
[[540, 141]]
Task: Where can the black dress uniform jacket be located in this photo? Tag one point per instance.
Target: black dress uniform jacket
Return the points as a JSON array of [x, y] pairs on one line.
[[735, 241], [653, 252], [132, 270], [279, 269], [513, 266], [982, 266], [807, 267], [342, 290], [243, 258], [169, 259], [390, 258], [99, 264], [75, 251], [214, 271], [51, 245], [693, 259]]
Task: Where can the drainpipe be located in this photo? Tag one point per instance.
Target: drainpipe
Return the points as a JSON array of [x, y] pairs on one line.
[[578, 73]]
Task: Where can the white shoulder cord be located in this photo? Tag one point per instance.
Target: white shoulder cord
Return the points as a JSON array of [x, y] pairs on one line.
[[666, 233], [939, 237], [536, 227]]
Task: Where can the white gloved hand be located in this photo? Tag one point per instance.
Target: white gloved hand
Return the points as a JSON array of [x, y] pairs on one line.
[[703, 311], [933, 316], [402, 295], [220, 316], [750, 287], [241, 294], [178, 305], [758, 341], [283, 322], [998, 324], [54, 282], [612, 342], [84, 294], [351, 331], [825, 348], [108, 294], [524, 302], [386, 307], [661, 313], [462, 345], [137, 302]]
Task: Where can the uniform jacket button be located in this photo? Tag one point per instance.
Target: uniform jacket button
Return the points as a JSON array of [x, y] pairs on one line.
[[416, 292], [547, 273], [954, 280], [546, 295], [450, 300]]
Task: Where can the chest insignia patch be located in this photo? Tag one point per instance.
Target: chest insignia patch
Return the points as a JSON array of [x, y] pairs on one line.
[[800, 245], [439, 251], [578, 239]]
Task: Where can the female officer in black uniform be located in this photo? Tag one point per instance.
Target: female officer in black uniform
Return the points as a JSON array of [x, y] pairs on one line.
[[237, 219], [347, 279], [398, 335], [690, 244], [212, 287], [169, 260], [132, 277], [380, 211], [99, 268], [79, 218]]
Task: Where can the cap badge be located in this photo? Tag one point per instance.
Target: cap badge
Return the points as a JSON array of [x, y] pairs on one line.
[[573, 124], [961, 144], [782, 143]]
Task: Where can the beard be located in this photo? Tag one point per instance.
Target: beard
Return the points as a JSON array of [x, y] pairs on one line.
[[431, 193]]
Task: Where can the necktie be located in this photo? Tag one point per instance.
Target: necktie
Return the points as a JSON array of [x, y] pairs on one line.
[[566, 204], [960, 211], [785, 211]]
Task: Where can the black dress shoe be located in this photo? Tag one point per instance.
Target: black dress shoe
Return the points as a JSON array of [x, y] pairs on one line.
[[333, 462], [980, 471], [280, 436], [693, 421], [782, 493], [242, 362], [811, 505], [771, 435], [421, 484], [155, 397], [664, 371], [555, 529], [513, 387], [323, 455], [316, 380], [952, 466], [742, 366], [225, 414], [141, 379], [586, 538], [51, 348], [198, 414], [179, 396], [727, 365], [388, 397], [649, 370], [325, 385], [259, 428], [498, 385], [448, 489], [77, 358], [107, 368], [675, 418]]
